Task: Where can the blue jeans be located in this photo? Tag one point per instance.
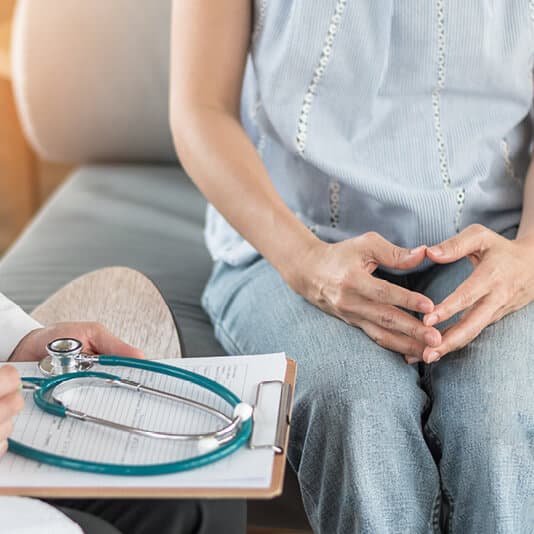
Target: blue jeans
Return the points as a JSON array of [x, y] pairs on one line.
[[380, 446]]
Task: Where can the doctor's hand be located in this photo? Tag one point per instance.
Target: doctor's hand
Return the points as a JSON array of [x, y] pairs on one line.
[[11, 402], [501, 283], [338, 279], [95, 339]]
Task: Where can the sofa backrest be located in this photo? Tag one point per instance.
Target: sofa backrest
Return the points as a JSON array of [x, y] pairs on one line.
[[91, 78]]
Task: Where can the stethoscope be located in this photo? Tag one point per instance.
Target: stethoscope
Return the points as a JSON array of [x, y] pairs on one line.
[[66, 367]]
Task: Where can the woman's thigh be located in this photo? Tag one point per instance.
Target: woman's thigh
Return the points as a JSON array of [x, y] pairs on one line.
[[483, 412], [358, 407]]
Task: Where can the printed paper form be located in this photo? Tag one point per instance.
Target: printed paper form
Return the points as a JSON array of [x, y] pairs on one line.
[[246, 468]]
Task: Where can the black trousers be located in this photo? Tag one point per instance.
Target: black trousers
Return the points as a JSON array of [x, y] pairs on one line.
[[145, 516]]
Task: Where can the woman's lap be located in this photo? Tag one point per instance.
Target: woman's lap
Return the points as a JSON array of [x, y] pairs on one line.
[[357, 406], [483, 416], [357, 433]]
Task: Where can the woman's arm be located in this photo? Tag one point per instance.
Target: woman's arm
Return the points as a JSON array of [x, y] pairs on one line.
[[210, 42]]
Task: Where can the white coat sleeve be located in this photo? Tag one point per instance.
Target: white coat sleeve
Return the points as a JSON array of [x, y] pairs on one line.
[[14, 325]]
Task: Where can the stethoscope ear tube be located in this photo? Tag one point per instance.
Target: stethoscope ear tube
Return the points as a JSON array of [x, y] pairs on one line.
[[222, 451]]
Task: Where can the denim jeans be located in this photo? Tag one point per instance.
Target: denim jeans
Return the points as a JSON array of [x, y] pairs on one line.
[[380, 446]]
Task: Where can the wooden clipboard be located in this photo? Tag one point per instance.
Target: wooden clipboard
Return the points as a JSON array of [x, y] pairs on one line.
[[274, 490]]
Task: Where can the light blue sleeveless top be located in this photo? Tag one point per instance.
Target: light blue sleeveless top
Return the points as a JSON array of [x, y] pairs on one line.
[[407, 117]]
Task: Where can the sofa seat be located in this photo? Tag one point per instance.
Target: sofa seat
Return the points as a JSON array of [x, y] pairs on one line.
[[149, 218]]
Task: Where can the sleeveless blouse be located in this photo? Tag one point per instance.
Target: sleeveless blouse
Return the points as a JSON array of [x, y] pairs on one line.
[[407, 117]]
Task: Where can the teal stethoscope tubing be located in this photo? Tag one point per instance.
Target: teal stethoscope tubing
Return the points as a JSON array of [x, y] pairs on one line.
[[219, 453]]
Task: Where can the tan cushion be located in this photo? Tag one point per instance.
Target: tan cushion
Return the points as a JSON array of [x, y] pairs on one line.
[[91, 78], [125, 301]]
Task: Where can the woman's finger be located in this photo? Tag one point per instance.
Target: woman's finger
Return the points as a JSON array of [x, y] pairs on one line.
[[475, 287], [9, 380], [393, 341], [383, 292], [465, 330], [389, 255], [391, 318], [473, 239]]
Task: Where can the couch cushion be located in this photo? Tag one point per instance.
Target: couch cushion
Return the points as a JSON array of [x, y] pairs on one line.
[[91, 79], [149, 218]]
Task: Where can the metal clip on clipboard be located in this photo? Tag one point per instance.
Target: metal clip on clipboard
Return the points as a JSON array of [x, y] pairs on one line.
[[283, 420]]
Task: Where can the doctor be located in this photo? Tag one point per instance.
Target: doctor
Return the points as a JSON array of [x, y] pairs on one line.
[[24, 339]]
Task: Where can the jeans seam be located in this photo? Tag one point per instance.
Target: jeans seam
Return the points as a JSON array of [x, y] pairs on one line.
[[433, 434], [435, 513], [304, 490]]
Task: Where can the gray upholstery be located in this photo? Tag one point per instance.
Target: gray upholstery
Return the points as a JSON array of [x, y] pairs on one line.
[[146, 217]]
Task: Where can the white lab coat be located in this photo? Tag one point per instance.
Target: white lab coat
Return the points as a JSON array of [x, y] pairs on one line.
[[21, 515], [14, 325]]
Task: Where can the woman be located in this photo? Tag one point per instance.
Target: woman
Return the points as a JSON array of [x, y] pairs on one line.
[[372, 215]]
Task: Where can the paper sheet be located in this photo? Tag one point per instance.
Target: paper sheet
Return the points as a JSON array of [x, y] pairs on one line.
[[244, 469]]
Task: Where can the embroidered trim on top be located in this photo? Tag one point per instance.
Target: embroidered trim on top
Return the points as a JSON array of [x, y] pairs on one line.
[[260, 20], [436, 96], [531, 9], [260, 147], [333, 189], [318, 74], [436, 111], [508, 165], [262, 137]]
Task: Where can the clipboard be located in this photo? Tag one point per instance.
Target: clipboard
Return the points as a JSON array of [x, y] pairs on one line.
[[274, 490]]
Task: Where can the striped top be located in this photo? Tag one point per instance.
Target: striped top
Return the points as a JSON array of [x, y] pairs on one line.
[[406, 117]]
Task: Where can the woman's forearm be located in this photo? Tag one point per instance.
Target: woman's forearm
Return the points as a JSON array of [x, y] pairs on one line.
[[210, 43], [224, 164]]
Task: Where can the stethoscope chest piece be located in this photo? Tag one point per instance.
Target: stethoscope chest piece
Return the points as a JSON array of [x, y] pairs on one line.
[[64, 356]]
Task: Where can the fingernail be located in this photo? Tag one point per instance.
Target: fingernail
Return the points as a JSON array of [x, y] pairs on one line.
[[425, 306], [433, 356], [432, 319], [417, 250], [430, 338], [436, 251]]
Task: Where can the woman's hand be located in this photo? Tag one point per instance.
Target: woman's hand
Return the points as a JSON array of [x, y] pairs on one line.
[[339, 280], [94, 337], [11, 402], [502, 282]]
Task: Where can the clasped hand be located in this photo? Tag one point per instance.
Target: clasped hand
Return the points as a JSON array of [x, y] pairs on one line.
[[502, 282]]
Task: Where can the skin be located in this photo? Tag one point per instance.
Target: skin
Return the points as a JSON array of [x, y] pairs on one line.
[[336, 277], [96, 340]]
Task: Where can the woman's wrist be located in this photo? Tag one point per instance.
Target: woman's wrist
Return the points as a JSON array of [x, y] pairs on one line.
[[299, 267]]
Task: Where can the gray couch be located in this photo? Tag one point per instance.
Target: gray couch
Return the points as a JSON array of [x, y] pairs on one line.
[[91, 83]]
